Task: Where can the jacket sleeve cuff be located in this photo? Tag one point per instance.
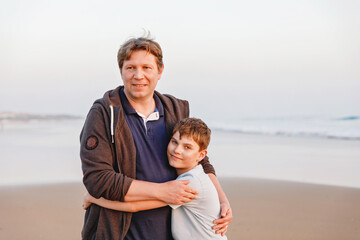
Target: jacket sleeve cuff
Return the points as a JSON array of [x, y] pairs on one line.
[[208, 168]]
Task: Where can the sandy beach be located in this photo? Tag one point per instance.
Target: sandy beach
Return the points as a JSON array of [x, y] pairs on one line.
[[262, 209]]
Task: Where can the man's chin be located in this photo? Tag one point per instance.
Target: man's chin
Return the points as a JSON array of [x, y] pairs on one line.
[[141, 95]]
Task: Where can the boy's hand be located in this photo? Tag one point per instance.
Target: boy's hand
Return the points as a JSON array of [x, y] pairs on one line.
[[86, 201], [177, 192], [222, 223]]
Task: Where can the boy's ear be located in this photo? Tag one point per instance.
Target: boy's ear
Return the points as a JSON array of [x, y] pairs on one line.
[[203, 153]]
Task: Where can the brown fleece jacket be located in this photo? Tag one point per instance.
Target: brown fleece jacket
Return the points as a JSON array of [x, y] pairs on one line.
[[109, 166]]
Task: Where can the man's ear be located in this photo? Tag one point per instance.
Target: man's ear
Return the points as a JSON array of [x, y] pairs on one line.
[[161, 69], [203, 153]]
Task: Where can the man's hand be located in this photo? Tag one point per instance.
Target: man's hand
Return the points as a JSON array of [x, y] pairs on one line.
[[86, 200], [177, 192], [222, 223]]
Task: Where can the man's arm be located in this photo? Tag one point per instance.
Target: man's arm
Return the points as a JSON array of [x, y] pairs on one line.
[[122, 206], [208, 168], [174, 192], [226, 213], [100, 178]]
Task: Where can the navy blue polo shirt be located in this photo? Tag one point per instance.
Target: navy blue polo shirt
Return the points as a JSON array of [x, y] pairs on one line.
[[151, 140]]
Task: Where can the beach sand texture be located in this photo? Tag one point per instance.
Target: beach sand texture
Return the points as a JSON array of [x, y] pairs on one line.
[[262, 209]]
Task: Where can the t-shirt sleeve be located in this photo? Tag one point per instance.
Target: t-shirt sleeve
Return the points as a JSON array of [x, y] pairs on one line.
[[194, 183]]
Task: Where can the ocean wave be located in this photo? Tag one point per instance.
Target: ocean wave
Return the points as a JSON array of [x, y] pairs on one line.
[[315, 128], [349, 118], [291, 134]]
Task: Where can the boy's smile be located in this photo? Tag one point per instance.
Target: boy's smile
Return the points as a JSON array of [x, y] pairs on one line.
[[183, 153]]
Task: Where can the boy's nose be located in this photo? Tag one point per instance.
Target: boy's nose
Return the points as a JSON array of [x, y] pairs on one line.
[[177, 150]]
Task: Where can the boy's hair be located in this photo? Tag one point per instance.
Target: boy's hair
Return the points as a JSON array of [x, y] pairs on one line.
[[136, 44], [195, 128]]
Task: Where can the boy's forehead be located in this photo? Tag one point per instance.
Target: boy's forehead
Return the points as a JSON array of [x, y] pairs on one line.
[[184, 138]]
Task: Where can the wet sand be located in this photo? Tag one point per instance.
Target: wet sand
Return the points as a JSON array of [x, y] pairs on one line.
[[262, 209]]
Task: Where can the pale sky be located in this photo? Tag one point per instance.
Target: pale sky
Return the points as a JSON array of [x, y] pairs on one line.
[[241, 57]]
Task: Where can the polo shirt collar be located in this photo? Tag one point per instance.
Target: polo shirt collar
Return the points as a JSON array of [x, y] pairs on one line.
[[130, 110], [194, 171]]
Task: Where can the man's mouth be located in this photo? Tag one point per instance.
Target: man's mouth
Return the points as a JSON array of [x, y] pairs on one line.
[[139, 85]]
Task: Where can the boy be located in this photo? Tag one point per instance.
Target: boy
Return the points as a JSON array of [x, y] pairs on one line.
[[192, 220]]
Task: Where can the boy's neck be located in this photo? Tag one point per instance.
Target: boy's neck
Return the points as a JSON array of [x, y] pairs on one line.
[[180, 171]]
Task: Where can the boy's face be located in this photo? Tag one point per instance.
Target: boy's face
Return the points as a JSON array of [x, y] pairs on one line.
[[184, 154]]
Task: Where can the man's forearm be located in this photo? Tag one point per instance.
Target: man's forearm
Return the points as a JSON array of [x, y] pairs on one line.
[[174, 192], [142, 190], [222, 196], [222, 223]]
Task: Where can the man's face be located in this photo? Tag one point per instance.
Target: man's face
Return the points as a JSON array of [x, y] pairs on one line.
[[183, 154], [140, 75]]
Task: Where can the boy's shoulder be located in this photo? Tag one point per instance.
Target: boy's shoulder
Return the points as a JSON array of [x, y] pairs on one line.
[[196, 177]]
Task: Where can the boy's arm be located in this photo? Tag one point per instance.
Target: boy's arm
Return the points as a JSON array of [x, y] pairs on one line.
[[123, 206], [129, 206], [226, 213]]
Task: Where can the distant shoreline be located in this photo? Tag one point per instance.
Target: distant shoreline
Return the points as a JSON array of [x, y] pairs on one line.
[[241, 128], [25, 117]]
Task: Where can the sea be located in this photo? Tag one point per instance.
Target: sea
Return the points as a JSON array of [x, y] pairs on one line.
[[337, 127], [311, 149]]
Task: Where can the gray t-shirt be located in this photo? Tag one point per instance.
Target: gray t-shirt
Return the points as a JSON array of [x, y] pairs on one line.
[[194, 220]]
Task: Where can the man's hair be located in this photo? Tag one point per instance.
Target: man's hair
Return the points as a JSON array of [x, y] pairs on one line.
[[136, 44], [195, 128]]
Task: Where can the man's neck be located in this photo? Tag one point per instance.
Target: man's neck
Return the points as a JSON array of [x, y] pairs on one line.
[[145, 107]]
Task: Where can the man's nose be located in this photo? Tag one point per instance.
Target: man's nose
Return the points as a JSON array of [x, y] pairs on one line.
[[138, 74]]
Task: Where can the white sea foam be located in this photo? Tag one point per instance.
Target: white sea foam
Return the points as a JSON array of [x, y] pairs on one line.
[[323, 127]]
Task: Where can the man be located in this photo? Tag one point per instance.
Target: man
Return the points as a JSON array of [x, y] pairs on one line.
[[123, 151]]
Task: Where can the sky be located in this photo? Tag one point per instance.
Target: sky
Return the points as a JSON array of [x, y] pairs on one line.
[[228, 58]]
